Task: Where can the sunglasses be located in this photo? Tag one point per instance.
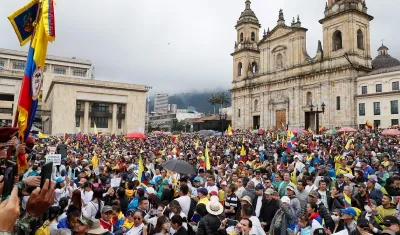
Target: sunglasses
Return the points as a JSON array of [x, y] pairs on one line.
[[137, 218]]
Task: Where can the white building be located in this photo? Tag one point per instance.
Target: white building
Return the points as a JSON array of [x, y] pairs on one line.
[[161, 103], [71, 99], [378, 92]]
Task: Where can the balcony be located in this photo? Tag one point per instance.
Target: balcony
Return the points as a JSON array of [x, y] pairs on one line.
[[120, 115], [79, 113], [98, 113]]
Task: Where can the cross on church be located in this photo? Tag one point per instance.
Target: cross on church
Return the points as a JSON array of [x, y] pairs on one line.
[[382, 40]]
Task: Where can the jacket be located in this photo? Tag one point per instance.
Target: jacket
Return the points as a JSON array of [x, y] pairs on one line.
[[283, 218], [267, 212], [375, 194], [181, 231], [209, 225]]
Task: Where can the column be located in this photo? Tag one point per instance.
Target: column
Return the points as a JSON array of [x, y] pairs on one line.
[[86, 118], [114, 119]]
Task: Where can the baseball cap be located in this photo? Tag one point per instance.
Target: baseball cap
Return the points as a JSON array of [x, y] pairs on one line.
[[349, 211], [269, 191], [197, 179], [202, 191], [340, 176], [259, 187], [361, 185], [59, 180], [390, 219], [362, 222], [106, 209], [349, 175], [313, 194]]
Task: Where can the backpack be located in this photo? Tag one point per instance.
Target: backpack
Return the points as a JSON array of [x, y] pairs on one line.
[[192, 207], [98, 213]]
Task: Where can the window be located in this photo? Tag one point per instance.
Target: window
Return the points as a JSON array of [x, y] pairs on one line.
[[377, 108], [255, 105], [79, 72], [78, 106], [364, 90], [377, 123], [394, 107], [361, 126], [253, 36], [241, 37], [309, 98], [60, 70], [77, 121], [101, 122], [119, 123], [120, 108], [45, 68], [2, 63], [395, 86], [378, 88], [337, 102], [360, 40], [100, 107], [395, 122], [18, 65], [361, 109], [239, 69], [239, 113], [279, 61], [254, 67], [337, 40]]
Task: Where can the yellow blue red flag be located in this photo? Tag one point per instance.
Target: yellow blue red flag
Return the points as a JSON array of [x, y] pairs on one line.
[[33, 76]]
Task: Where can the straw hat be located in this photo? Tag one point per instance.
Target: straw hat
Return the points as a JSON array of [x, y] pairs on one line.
[[214, 207]]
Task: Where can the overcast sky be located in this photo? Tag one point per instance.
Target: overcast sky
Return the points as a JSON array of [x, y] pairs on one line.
[[178, 45]]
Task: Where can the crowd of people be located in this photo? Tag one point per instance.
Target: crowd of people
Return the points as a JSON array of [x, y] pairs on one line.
[[251, 184]]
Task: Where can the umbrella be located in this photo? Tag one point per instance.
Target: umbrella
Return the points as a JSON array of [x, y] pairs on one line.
[[206, 132], [176, 132], [167, 133], [391, 132], [157, 132], [135, 135], [258, 132], [297, 130], [330, 132], [179, 166], [346, 129]]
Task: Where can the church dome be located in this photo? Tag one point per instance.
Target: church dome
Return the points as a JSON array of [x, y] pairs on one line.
[[384, 60], [248, 15]]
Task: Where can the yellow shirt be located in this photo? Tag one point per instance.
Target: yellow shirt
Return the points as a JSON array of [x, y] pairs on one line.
[[221, 195], [385, 163], [343, 171], [337, 159], [203, 200]]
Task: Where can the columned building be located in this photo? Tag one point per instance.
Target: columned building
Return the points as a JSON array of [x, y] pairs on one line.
[[71, 99], [275, 80]]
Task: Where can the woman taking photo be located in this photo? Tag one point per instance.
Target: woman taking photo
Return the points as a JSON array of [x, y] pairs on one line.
[[163, 226]]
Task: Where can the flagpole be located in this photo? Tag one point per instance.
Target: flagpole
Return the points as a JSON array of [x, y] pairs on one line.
[[30, 45]]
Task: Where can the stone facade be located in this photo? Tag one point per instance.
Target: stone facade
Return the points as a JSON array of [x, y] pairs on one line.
[[275, 80]]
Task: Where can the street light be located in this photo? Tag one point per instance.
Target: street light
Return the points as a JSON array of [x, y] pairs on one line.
[[222, 117], [317, 112], [148, 88]]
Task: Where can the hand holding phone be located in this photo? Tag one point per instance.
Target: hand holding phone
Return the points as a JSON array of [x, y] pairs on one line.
[[47, 170]]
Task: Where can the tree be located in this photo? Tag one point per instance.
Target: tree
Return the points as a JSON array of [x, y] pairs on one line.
[[223, 99], [213, 100]]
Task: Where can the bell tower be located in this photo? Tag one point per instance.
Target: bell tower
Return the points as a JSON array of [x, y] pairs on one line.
[[246, 55], [346, 31]]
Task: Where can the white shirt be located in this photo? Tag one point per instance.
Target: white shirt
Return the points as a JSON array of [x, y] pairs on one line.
[[87, 196], [310, 188], [90, 210], [258, 206], [324, 198], [256, 228], [256, 181], [184, 224], [184, 201], [212, 188]]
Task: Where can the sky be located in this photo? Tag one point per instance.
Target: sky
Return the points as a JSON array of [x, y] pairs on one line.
[[178, 45]]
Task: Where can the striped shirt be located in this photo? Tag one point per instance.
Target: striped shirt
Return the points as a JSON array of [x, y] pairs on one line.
[[231, 201]]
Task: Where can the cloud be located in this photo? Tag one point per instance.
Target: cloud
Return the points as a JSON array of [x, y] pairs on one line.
[[177, 45]]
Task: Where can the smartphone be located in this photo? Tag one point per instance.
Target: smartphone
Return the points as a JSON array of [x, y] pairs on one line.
[[45, 173], [196, 218], [9, 174], [232, 222]]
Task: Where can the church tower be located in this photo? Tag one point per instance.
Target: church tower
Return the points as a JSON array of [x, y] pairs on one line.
[[346, 32], [246, 55]]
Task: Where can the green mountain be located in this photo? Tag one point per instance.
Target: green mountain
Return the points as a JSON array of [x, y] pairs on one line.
[[199, 100]]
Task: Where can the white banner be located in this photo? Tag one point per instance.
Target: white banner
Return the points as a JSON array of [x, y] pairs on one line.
[[55, 158]]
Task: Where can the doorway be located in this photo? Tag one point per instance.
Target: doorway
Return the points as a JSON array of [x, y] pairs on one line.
[[280, 118], [309, 120], [256, 122]]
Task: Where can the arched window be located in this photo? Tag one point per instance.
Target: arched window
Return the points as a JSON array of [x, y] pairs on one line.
[[254, 67], [337, 40], [241, 37], [309, 98], [360, 40], [255, 105], [279, 61], [253, 36], [239, 72]]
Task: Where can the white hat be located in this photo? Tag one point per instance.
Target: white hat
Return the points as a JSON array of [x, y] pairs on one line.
[[97, 228], [349, 175], [285, 199], [214, 208], [214, 198]]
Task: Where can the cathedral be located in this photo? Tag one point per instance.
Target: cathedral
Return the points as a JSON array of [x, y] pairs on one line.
[[277, 84]]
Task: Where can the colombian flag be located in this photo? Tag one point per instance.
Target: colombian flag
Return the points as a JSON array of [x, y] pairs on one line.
[[33, 77]]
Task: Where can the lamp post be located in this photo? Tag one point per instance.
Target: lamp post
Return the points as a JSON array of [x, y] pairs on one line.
[[317, 112], [222, 117], [148, 88]]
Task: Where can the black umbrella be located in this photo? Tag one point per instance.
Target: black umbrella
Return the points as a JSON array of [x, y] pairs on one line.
[[179, 166]]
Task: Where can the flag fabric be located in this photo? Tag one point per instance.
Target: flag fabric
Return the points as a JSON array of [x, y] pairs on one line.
[[369, 124], [293, 177], [196, 145], [349, 144], [208, 165], [141, 176], [310, 131], [322, 129], [95, 129], [242, 151], [230, 130], [347, 201], [23, 21], [33, 76], [95, 161], [42, 136]]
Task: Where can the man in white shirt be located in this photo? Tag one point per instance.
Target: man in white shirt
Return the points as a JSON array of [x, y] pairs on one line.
[[323, 193], [257, 202], [211, 184], [184, 199], [257, 180]]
